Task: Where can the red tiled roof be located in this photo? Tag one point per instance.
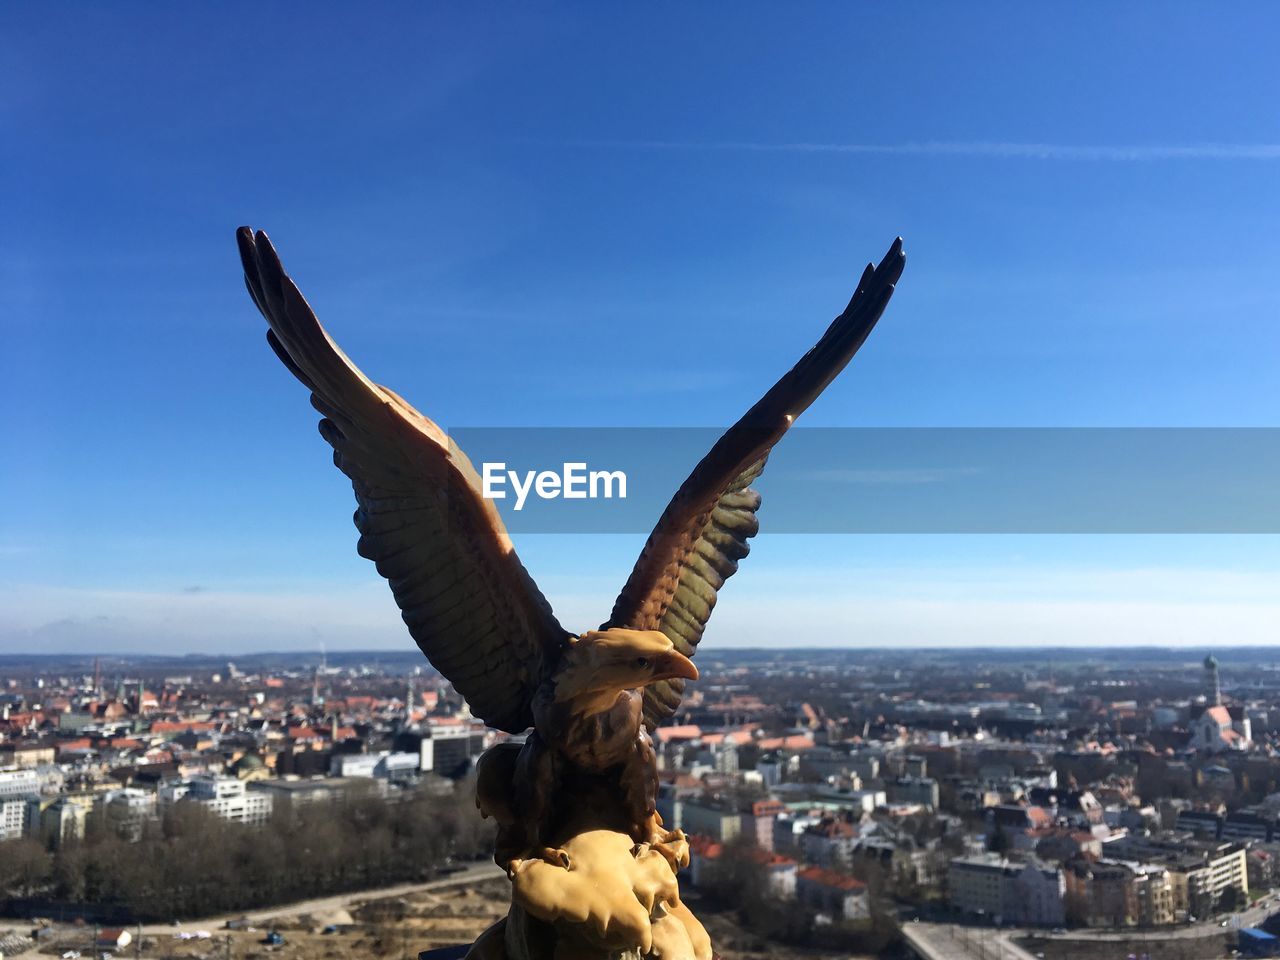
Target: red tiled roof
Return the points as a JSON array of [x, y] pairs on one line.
[[767, 859], [766, 808], [1220, 714], [794, 742], [180, 726], [688, 731], [705, 847], [829, 878], [1039, 816], [342, 733], [832, 829]]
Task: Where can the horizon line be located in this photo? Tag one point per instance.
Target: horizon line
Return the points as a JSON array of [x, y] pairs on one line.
[[373, 651]]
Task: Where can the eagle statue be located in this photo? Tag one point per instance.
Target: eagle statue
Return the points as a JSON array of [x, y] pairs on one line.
[[587, 768]]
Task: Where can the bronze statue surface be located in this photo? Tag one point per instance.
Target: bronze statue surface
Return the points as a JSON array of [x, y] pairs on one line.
[[593, 872]]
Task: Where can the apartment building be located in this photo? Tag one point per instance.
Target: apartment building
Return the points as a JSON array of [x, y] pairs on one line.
[[228, 798], [13, 817], [976, 884], [1153, 895], [987, 885], [921, 790], [128, 810], [1201, 871], [832, 893], [829, 843], [711, 819], [19, 782], [1035, 895]]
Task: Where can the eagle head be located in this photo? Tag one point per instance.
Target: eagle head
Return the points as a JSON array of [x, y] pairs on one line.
[[601, 664]]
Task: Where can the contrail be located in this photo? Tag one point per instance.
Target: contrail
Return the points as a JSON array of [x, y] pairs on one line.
[[973, 148]]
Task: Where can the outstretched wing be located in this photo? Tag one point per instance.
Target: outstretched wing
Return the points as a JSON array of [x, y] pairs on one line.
[[703, 533], [465, 596]]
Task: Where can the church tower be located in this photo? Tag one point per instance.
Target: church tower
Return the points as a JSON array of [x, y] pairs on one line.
[[1215, 685], [410, 696]]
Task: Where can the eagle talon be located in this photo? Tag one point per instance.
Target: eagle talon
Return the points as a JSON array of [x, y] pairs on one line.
[[555, 856], [558, 856], [674, 847], [669, 836]]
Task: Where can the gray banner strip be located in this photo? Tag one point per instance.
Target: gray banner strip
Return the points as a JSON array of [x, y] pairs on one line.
[[891, 480]]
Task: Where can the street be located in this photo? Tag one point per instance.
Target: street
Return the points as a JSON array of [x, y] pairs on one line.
[[473, 874]]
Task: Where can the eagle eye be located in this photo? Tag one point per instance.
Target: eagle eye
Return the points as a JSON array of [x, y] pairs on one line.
[[642, 662]]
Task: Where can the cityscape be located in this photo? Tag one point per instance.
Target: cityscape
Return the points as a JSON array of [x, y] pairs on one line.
[[1054, 803], [932, 347]]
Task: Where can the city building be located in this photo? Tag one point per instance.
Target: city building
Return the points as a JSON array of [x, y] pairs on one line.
[[128, 810], [1153, 893], [705, 855], [229, 798], [975, 885], [1246, 825], [914, 789], [27, 754], [453, 749], [758, 819], [1203, 823], [835, 894], [19, 782], [294, 790], [829, 843], [1206, 875], [711, 819], [60, 821], [1217, 727], [402, 766], [1034, 895], [13, 817]]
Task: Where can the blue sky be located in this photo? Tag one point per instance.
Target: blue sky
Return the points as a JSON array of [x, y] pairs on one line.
[[555, 215]]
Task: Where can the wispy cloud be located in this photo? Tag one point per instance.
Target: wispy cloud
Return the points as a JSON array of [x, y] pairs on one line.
[[894, 475], [995, 149]]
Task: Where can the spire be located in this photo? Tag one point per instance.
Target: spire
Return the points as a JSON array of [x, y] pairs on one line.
[[1215, 685]]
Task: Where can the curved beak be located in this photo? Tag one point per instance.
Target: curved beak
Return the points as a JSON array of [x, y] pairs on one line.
[[674, 664]]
